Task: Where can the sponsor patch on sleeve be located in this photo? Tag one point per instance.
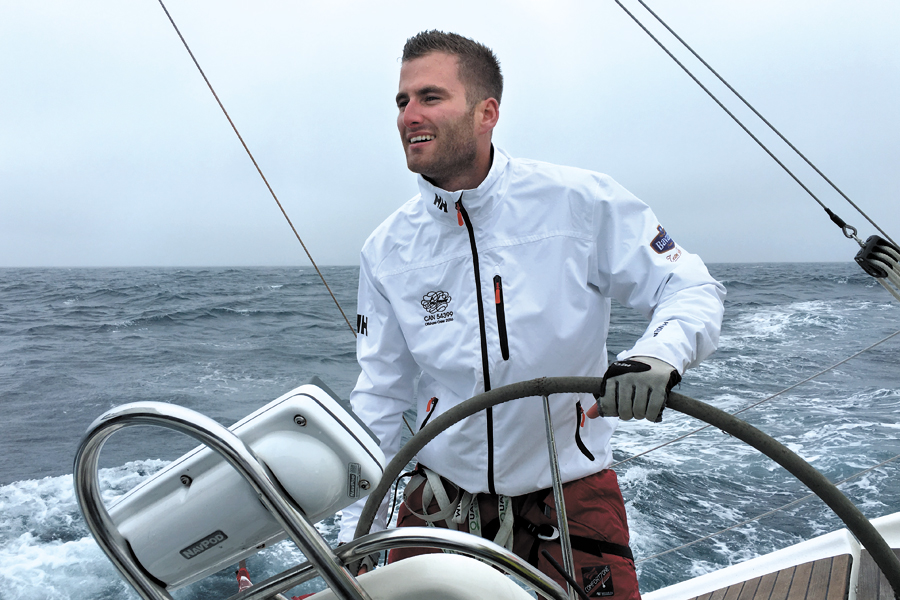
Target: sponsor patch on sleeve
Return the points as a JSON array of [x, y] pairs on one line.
[[663, 242]]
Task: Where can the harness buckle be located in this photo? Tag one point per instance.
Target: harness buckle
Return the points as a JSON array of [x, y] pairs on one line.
[[554, 533]]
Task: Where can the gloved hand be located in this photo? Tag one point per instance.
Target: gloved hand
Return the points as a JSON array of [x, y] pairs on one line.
[[365, 564], [637, 387]]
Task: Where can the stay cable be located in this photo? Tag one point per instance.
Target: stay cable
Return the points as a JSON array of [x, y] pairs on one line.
[[255, 164], [834, 218]]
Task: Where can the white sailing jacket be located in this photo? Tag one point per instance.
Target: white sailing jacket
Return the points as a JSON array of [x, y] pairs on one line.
[[462, 292]]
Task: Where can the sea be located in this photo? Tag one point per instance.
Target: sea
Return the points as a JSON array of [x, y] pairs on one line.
[[225, 341]]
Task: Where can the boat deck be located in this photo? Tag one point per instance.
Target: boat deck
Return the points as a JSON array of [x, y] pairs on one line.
[[873, 585], [825, 579]]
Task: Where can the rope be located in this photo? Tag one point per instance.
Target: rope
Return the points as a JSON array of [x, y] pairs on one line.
[[888, 260], [755, 404], [765, 514], [889, 288], [255, 164], [834, 218]]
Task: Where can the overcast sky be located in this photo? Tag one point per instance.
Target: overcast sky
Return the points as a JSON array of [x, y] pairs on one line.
[[114, 153]]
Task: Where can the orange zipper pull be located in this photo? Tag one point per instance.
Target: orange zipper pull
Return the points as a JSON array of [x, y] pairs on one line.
[[459, 215]]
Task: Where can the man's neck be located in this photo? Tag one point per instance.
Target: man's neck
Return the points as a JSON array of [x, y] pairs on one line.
[[470, 180]]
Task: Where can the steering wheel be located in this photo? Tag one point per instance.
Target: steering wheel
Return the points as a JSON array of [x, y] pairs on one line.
[[855, 521]]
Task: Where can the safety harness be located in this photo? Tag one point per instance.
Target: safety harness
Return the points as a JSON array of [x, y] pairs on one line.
[[463, 508]]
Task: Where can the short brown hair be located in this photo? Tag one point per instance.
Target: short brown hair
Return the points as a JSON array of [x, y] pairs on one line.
[[479, 69]]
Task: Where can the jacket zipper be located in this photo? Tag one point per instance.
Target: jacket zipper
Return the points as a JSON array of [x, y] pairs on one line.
[[432, 405], [463, 217], [501, 317]]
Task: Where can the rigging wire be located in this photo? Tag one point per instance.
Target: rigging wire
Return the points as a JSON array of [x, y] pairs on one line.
[[764, 120], [266, 181], [755, 404], [765, 514], [255, 164], [849, 231], [746, 408], [705, 89]]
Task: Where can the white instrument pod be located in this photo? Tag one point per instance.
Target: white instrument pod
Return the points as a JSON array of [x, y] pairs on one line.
[[198, 515]]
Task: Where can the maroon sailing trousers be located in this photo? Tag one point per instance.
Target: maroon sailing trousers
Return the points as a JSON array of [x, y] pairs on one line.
[[595, 510]]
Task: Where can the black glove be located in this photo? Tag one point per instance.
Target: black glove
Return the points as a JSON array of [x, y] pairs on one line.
[[637, 388]]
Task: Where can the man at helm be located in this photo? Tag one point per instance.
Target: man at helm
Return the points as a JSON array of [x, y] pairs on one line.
[[501, 270]]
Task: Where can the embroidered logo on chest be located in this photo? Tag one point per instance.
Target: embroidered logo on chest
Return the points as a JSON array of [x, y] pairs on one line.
[[436, 304]]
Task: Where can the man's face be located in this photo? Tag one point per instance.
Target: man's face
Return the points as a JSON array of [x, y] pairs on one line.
[[437, 127]]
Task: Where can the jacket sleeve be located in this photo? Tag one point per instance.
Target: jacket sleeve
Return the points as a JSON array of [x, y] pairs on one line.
[[642, 267], [386, 384]]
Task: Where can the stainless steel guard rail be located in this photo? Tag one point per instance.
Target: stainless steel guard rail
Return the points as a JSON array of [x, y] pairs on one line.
[[420, 537], [323, 561], [232, 449]]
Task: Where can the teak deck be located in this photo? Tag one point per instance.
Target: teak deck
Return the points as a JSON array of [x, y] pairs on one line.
[[825, 579], [873, 584]]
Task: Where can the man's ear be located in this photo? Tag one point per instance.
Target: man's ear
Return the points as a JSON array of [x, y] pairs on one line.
[[487, 113]]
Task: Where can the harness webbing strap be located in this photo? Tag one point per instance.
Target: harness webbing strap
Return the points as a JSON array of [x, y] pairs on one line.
[[463, 507], [548, 533], [599, 548], [504, 535], [466, 502], [474, 516], [433, 489]]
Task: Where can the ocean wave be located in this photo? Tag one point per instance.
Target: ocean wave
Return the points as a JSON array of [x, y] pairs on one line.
[[48, 553], [72, 570], [224, 341], [45, 547]]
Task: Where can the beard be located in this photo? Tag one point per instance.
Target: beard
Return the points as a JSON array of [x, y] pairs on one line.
[[455, 153]]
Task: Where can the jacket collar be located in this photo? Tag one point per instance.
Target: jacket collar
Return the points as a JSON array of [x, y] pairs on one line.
[[478, 202]]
